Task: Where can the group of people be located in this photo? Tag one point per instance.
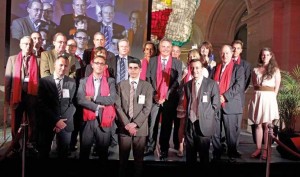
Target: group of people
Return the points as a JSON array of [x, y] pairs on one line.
[[72, 91]]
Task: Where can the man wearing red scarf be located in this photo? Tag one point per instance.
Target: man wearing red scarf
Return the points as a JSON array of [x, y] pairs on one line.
[[230, 77], [164, 74], [21, 85], [96, 94]]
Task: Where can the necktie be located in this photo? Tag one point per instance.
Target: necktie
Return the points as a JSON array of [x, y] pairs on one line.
[[107, 36], [122, 69], [131, 97], [59, 91], [164, 61], [194, 106]]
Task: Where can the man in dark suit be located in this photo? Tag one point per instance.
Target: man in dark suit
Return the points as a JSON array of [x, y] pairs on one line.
[[164, 74], [96, 94], [55, 100], [237, 46], [108, 28], [67, 23], [230, 77], [201, 102], [133, 123]]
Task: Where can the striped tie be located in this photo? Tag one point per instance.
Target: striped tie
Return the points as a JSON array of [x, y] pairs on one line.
[[107, 36], [59, 91], [122, 69], [131, 97]]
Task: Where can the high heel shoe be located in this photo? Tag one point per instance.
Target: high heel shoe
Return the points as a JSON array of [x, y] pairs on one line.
[[264, 154], [180, 150], [256, 153]]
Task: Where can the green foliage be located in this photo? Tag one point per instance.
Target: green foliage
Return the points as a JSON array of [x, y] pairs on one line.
[[289, 98]]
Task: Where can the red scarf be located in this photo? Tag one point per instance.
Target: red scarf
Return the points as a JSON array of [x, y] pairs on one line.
[[224, 81], [163, 78], [108, 112], [145, 63], [188, 75], [33, 78]]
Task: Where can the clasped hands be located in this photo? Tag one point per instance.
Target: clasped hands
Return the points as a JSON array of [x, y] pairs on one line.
[[60, 125], [131, 128]]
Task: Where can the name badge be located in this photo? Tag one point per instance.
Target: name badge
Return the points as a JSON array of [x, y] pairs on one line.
[[66, 93], [141, 99], [26, 79], [204, 99]]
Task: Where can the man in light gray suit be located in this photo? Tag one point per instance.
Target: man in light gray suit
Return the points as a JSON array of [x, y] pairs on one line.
[[96, 94], [133, 125], [200, 103], [24, 26]]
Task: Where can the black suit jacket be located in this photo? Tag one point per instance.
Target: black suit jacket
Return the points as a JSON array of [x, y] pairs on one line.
[[117, 30], [175, 78], [49, 105], [207, 107]]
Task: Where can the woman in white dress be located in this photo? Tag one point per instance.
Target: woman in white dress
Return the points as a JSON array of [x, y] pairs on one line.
[[263, 107]]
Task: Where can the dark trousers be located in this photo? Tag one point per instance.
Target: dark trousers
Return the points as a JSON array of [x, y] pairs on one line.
[[25, 112], [91, 133], [138, 147]]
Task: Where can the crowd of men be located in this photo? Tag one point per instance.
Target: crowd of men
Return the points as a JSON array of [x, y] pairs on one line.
[[105, 99]]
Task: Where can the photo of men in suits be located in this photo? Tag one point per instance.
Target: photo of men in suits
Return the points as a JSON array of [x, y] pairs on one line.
[[55, 102], [133, 106]]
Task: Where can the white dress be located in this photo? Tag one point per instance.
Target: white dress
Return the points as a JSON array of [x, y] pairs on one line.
[[263, 105]]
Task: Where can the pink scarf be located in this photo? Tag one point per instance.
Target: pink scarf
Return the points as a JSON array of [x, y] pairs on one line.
[[33, 78], [108, 113], [188, 75], [163, 78], [145, 63]]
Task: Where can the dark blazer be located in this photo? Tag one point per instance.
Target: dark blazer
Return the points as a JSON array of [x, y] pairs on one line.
[[117, 30], [207, 111], [113, 64], [21, 27], [247, 70], [140, 111], [233, 95], [175, 78], [100, 100], [50, 107]]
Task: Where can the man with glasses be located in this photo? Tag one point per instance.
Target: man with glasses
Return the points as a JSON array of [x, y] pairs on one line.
[[48, 57], [81, 39], [47, 17], [26, 25], [97, 94]]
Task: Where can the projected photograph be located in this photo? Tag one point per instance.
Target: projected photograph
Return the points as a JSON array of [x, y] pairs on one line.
[[116, 19]]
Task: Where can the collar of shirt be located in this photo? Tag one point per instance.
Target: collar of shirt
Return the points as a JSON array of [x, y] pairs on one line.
[[165, 59], [55, 77], [110, 25], [199, 80], [135, 80], [97, 79], [125, 57]]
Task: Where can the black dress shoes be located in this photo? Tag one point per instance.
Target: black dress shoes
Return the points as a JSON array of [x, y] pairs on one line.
[[148, 152], [163, 155]]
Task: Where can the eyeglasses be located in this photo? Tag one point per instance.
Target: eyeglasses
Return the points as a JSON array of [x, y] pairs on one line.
[[71, 45], [38, 10], [98, 63], [81, 38]]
